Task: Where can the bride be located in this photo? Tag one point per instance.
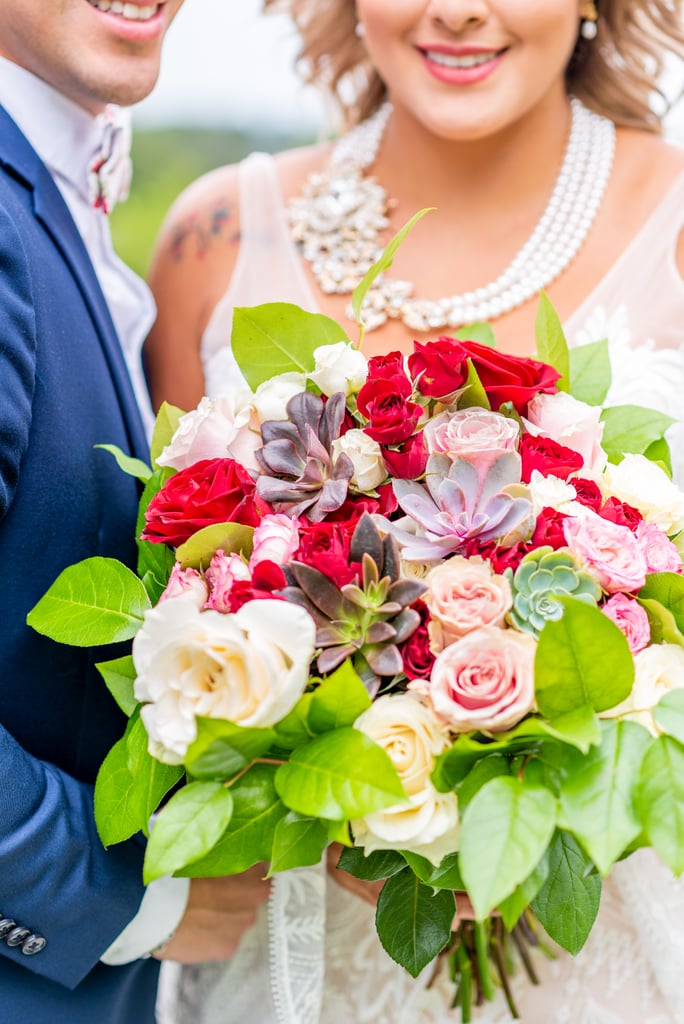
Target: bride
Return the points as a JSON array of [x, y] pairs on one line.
[[533, 126]]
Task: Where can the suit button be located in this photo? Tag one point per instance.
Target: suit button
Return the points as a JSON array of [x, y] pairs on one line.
[[33, 944], [17, 936], [6, 926]]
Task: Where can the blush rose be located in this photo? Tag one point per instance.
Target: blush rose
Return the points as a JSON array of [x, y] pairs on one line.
[[463, 595]]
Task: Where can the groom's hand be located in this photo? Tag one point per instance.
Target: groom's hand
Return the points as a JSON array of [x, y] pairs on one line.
[[219, 912]]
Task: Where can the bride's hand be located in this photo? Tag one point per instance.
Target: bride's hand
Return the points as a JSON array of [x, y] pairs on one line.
[[219, 912]]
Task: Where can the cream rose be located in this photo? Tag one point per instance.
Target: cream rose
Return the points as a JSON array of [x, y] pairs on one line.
[[571, 423], [641, 483], [366, 457], [464, 594], [483, 681], [339, 367], [249, 668], [411, 735], [209, 430], [658, 669], [270, 399]]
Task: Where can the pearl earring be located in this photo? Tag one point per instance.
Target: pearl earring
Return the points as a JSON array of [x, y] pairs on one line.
[[589, 27], [359, 30]]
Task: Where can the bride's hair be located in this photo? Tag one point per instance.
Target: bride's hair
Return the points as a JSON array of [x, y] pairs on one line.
[[615, 74]]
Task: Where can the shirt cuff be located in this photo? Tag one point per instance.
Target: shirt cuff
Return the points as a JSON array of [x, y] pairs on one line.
[[160, 913]]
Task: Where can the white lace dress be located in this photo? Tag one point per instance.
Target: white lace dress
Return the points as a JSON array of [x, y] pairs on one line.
[[313, 956]]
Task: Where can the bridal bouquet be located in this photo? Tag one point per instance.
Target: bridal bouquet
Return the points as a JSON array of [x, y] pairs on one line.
[[429, 607]]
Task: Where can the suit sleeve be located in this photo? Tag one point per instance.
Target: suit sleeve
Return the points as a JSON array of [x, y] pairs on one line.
[[56, 878]]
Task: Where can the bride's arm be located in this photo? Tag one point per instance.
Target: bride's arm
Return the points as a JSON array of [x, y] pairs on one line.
[[191, 267]]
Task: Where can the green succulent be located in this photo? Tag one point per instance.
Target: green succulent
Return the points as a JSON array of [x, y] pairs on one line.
[[541, 580]]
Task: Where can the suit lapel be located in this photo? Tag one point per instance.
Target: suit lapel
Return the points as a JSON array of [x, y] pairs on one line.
[[53, 213]]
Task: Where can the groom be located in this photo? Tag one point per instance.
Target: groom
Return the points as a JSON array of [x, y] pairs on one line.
[[67, 305]]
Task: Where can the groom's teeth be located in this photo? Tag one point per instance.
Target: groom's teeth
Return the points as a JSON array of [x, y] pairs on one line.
[[133, 12]]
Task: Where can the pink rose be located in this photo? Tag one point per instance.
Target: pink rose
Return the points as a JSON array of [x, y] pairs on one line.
[[485, 681], [276, 539], [630, 617], [660, 553], [476, 435], [608, 552], [464, 594], [224, 570], [185, 582], [571, 423]]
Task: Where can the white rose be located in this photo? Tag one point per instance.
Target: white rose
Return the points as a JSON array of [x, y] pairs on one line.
[[552, 492], [658, 669], [270, 398], [207, 431], [366, 457], [249, 668], [572, 423], [339, 367], [643, 484], [412, 736]]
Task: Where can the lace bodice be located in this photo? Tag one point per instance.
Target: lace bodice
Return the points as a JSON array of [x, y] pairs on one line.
[[313, 957]]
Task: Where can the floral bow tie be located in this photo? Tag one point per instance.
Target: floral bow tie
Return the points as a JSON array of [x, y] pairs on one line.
[[109, 173]]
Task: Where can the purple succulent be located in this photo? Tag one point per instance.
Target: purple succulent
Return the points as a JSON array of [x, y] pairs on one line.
[[459, 505], [299, 474]]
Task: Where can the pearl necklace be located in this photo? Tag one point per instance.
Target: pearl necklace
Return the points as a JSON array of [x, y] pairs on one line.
[[337, 221]]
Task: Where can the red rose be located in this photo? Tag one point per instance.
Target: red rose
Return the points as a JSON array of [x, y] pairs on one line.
[[621, 513], [267, 577], [415, 652], [408, 461], [438, 367], [325, 546], [549, 529], [392, 419], [588, 493], [499, 557], [548, 457], [212, 491], [510, 378], [387, 367]]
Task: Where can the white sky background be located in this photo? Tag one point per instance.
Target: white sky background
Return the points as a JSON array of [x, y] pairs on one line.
[[226, 64]]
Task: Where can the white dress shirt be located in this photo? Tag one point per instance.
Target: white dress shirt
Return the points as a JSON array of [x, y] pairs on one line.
[[66, 137]]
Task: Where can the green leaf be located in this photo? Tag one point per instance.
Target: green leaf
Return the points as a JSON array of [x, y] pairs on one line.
[[552, 346], [155, 561], [132, 467], [165, 426], [152, 780], [597, 792], [97, 601], [279, 337], [512, 907], [187, 828], [198, 551], [338, 701], [384, 263], [568, 901], [578, 728], [581, 659], [454, 764], [668, 589], [446, 875], [659, 452], [482, 333], [669, 714], [248, 840], [372, 867], [298, 842], [504, 833], [474, 393], [660, 800], [338, 832], [414, 923], [119, 676], [662, 623], [342, 774], [293, 730], [590, 372], [222, 749], [492, 767], [631, 429]]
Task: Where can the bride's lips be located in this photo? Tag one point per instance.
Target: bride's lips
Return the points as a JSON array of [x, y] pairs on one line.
[[131, 21], [461, 65]]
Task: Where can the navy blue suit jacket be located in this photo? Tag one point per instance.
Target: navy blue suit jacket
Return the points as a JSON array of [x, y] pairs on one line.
[[64, 388]]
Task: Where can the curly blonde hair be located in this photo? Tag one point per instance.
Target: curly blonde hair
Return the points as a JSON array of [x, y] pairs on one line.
[[614, 74]]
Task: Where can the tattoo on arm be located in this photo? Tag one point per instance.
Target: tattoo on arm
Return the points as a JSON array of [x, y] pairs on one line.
[[204, 229]]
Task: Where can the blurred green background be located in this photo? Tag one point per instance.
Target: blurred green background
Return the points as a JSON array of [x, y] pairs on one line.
[[165, 161]]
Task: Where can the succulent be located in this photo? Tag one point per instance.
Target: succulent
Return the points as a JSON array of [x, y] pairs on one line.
[[544, 577], [299, 474], [364, 621], [461, 504]]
